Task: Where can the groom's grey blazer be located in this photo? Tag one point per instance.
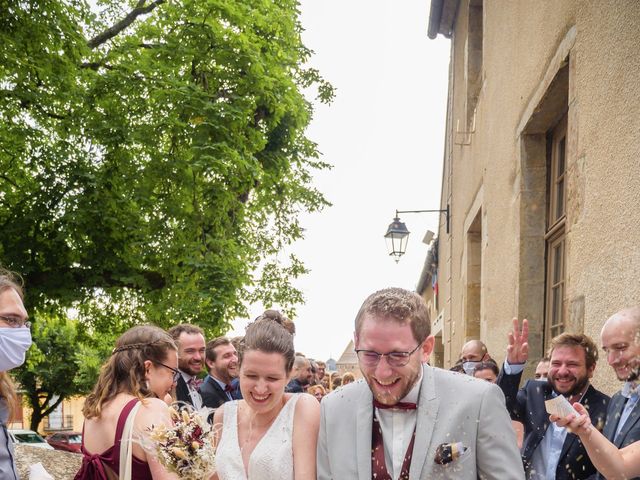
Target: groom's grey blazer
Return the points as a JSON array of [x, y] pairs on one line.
[[451, 408]]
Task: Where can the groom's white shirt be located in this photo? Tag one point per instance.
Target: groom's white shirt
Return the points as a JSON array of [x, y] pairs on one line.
[[397, 429], [451, 408]]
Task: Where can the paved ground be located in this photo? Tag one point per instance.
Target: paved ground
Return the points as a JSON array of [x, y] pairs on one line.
[[60, 465]]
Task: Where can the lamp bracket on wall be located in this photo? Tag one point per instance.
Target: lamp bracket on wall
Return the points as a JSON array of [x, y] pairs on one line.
[[446, 212], [397, 232]]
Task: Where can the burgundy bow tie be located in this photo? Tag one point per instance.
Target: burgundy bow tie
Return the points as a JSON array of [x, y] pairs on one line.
[[397, 406], [228, 388], [195, 382]]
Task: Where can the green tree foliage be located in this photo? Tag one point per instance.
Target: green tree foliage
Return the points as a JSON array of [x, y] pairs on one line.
[[61, 363], [153, 156]]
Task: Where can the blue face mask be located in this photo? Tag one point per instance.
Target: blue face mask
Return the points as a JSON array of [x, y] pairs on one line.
[[14, 343], [470, 367]]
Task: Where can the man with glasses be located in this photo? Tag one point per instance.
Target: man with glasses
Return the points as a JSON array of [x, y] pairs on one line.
[[15, 339], [410, 420], [191, 353]]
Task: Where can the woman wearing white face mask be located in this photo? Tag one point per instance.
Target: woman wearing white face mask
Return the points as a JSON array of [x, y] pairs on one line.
[[15, 339]]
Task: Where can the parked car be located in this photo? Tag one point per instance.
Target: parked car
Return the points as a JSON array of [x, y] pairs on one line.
[[29, 437], [67, 441]]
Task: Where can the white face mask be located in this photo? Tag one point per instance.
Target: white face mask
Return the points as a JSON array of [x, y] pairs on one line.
[[14, 343], [470, 367]]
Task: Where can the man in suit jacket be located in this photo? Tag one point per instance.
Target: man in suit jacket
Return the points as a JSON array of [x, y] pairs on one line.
[[222, 363], [620, 338], [550, 452], [191, 348], [409, 420]]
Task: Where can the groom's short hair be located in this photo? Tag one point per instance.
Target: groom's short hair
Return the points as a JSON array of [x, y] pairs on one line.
[[399, 305]]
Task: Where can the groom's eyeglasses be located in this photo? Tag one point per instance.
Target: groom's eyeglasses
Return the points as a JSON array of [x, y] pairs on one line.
[[176, 373], [369, 358]]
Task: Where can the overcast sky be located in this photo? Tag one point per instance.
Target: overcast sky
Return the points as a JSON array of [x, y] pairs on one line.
[[384, 136]]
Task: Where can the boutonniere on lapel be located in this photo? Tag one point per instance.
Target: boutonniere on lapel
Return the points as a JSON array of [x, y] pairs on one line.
[[448, 452]]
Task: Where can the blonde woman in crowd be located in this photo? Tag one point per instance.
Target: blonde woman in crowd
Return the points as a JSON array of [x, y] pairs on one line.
[[317, 391]]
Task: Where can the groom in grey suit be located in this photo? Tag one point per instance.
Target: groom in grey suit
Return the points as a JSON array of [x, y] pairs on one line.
[[410, 421]]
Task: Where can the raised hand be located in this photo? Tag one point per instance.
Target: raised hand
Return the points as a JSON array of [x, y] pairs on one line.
[[518, 348]]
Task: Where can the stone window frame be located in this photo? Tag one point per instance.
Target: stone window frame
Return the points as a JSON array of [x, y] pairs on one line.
[[552, 99]]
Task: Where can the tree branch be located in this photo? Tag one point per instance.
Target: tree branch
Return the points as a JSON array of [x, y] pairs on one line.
[[111, 32], [8, 180], [50, 114], [26, 103], [102, 279], [46, 411], [96, 65]]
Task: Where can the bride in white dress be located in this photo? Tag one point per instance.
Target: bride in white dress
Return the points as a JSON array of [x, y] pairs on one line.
[[269, 434]]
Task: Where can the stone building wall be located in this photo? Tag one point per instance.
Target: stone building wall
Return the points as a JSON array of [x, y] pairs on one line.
[[516, 69]]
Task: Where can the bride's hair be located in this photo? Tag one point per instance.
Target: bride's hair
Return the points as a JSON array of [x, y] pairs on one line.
[[269, 333], [125, 370]]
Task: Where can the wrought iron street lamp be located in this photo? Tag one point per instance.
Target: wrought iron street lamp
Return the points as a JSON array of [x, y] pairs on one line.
[[397, 234], [396, 238]]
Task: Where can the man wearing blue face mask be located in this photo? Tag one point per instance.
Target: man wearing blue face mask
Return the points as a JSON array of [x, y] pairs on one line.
[[15, 339], [473, 353]]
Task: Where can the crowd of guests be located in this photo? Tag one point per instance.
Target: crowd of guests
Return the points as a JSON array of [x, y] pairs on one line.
[[217, 360], [584, 445], [277, 417]]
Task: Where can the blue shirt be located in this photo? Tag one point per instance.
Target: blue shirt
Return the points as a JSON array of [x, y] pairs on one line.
[[545, 458]]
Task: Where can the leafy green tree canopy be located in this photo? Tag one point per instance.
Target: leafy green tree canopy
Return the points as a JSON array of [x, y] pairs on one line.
[[153, 156]]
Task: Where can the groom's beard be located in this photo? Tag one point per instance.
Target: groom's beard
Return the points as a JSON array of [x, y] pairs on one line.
[[403, 380]]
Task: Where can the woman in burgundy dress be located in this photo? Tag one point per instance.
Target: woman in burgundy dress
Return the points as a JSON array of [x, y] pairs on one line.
[[142, 368]]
